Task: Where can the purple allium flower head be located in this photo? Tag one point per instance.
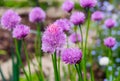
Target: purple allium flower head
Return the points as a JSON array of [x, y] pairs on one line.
[[77, 18], [88, 3], [71, 55], [10, 19], [110, 23], [68, 5], [65, 24], [75, 38], [53, 39], [110, 42], [20, 31], [37, 15], [97, 16]]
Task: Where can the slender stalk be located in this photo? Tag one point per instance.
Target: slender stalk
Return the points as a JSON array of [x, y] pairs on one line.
[[56, 74], [79, 74], [38, 51], [80, 70], [110, 32], [59, 66], [111, 63], [17, 45], [81, 37], [85, 49], [27, 57], [39, 42]]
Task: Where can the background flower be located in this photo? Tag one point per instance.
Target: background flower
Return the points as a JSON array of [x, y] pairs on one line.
[[21, 31], [71, 55], [68, 5], [65, 24], [104, 61], [37, 15], [97, 16], [75, 38], [110, 23], [110, 42], [88, 3], [10, 19], [77, 18]]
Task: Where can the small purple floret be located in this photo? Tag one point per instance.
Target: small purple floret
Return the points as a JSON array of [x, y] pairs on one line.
[[75, 38], [110, 42], [68, 5], [110, 23], [77, 18], [65, 24], [97, 16], [37, 15], [21, 31], [10, 19], [88, 3], [71, 55]]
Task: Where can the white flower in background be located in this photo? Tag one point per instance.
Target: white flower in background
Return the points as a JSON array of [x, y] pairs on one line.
[[104, 61]]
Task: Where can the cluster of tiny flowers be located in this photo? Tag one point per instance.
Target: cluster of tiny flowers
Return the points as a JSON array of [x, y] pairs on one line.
[[110, 42], [97, 16], [10, 19], [75, 38], [110, 23], [20, 31], [77, 18], [68, 6], [104, 61], [71, 55], [65, 24], [88, 3], [53, 39], [37, 15]]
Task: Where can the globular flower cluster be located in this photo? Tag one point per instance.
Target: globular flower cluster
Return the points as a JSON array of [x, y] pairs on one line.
[[110, 42], [65, 24], [77, 18], [20, 31], [68, 5], [10, 19], [37, 15], [75, 38], [97, 16], [71, 55], [110, 23], [88, 3], [53, 39], [104, 61]]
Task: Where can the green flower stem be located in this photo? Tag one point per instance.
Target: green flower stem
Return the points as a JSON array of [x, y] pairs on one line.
[[111, 63], [38, 50], [56, 74], [98, 30], [41, 77], [28, 60], [39, 42], [18, 44], [75, 29], [59, 66], [110, 32], [81, 37], [79, 72], [85, 49]]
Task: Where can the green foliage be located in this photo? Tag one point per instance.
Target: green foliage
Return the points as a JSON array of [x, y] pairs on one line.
[[34, 77]]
